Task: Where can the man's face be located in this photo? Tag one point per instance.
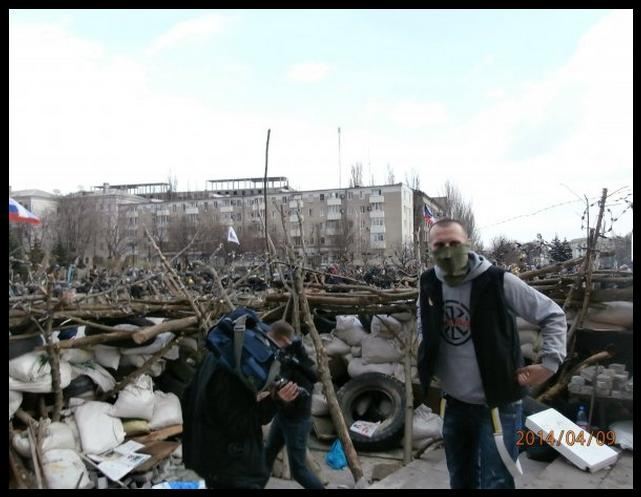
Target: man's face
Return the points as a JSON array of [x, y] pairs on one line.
[[280, 340], [451, 235]]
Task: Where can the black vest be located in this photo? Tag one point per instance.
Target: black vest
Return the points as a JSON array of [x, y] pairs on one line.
[[494, 334]]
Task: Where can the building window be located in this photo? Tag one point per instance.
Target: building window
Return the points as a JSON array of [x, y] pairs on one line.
[[322, 196], [350, 195], [310, 212], [322, 240]]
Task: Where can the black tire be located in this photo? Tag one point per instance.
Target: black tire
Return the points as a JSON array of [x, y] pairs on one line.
[[384, 391]]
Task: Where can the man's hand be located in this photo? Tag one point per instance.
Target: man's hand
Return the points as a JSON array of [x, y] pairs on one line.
[[533, 375], [289, 392]]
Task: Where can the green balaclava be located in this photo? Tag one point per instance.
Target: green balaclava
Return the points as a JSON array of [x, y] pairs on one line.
[[453, 262]]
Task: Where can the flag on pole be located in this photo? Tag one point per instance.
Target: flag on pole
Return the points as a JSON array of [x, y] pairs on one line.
[[231, 236], [18, 213], [428, 216]]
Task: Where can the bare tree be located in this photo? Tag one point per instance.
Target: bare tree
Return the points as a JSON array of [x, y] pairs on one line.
[[77, 224], [390, 175], [404, 258], [356, 175], [505, 251], [413, 180], [455, 207]]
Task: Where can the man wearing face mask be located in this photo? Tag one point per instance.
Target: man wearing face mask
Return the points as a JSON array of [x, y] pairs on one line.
[[466, 315]]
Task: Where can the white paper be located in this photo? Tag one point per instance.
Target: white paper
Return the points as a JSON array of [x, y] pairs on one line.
[[118, 467], [119, 461], [365, 428]]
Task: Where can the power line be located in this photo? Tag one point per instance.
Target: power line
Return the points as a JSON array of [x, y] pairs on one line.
[[534, 213]]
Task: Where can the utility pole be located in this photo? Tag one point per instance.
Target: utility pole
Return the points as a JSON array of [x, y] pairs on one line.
[[339, 157]]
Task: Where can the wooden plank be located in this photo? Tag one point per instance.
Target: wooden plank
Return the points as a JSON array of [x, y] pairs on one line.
[[161, 434], [159, 450]]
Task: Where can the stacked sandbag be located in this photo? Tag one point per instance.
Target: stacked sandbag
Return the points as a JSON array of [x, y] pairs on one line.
[[166, 411], [530, 338], [334, 346], [615, 315], [31, 372], [426, 426], [136, 400], [99, 431], [15, 400], [350, 330], [319, 401]]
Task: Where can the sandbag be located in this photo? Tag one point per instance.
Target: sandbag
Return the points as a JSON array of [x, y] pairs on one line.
[[76, 356], [356, 368], [403, 317], [375, 349], [356, 352], [336, 347], [20, 442], [399, 373], [618, 313], [522, 325], [167, 411], [589, 324], [63, 468], [98, 430], [136, 400], [160, 341], [99, 375], [43, 384], [350, 330], [319, 405], [135, 427], [385, 326], [58, 436], [426, 424], [30, 366], [71, 423], [15, 400], [107, 356]]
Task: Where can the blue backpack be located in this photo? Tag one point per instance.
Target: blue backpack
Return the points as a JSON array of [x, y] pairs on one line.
[[239, 341]]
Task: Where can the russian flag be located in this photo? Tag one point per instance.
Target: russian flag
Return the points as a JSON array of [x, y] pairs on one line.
[[19, 214], [428, 216]]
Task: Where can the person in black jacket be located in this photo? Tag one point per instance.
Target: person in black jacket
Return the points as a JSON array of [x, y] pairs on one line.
[[222, 430], [466, 316], [292, 424]]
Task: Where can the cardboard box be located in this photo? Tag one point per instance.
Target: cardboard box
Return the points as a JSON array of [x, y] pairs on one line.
[[588, 455]]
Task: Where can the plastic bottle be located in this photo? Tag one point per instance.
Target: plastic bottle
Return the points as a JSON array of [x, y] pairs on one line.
[[582, 418]]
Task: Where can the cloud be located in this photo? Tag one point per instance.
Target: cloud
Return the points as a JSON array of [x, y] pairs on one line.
[[308, 72], [196, 29]]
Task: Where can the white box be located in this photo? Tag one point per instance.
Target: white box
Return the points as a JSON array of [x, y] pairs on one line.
[[588, 456]]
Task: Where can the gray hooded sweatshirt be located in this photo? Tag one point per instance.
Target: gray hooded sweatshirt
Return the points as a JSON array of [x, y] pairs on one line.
[[456, 364]]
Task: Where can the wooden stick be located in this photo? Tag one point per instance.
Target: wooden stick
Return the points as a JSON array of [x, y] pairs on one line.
[[141, 370], [34, 456], [551, 268], [562, 383]]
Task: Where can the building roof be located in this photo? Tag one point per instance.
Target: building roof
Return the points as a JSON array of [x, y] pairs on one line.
[[33, 193]]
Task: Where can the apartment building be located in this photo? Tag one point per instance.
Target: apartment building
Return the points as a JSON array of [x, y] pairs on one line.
[[358, 223]]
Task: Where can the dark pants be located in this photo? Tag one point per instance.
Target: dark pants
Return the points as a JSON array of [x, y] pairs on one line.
[[473, 460], [293, 433]]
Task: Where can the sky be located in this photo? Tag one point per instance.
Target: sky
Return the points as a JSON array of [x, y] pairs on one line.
[[526, 112]]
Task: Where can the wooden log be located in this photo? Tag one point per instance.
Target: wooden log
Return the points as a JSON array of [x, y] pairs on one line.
[[551, 268], [145, 334]]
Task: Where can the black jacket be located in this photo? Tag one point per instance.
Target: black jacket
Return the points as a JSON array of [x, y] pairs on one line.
[[222, 435], [296, 366], [495, 336]]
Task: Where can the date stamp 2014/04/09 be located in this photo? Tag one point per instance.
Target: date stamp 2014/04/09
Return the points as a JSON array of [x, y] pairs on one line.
[[570, 437]]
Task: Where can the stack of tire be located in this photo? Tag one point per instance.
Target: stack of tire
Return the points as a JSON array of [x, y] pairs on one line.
[[375, 390]]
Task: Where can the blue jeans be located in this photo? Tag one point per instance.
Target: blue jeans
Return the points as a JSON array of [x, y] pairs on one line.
[[293, 433], [473, 460]]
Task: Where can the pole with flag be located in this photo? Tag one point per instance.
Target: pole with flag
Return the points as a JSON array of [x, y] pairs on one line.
[[19, 214], [428, 216], [231, 236]]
